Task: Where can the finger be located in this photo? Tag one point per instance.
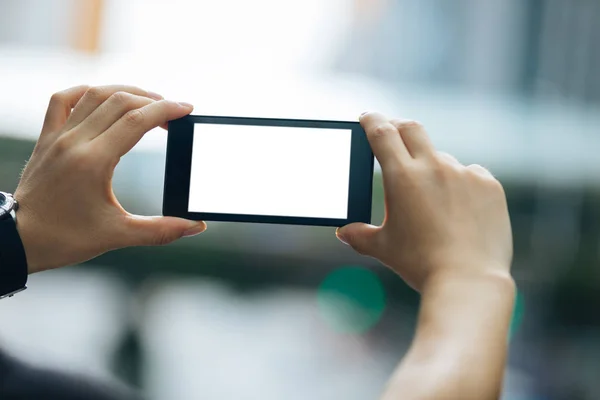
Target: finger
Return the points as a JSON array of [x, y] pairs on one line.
[[385, 141], [448, 158], [129, 129], [361, 237], [60, 107], [158, 231], [95, 96], [109, 112], [480, 170], [415, 138]]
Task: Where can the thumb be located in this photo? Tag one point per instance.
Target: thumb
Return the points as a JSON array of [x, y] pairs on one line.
[[361, 237], [158, 231]]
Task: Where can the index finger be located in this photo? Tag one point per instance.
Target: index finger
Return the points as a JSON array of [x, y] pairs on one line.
[[385, 140], [130, 128], [96, 96]]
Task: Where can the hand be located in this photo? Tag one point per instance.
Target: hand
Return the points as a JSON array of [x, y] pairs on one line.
[[442, 218], [68, 212]]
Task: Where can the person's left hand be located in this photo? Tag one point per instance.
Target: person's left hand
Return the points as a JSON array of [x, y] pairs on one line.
[[68, 212]]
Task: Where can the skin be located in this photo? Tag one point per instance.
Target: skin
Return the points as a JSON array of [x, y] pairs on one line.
[[68, 211], [446, 233]]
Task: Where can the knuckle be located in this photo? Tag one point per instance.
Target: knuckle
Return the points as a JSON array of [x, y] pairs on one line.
[[439, 165], [58, 98], [495, 184], [484, 176], [477, 174], [446, 161], [477, 167], [137, 90], [95, 93], [480, 172], [162, 238], [446, 158], [62, 145], [134, 118], [81, 88], [380, 131], [166, 106], [75, 154], [444, 171], [121, 99], [409, 125], [165, 109], [79, 157]]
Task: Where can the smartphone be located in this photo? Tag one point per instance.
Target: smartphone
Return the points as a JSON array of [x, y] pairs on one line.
[[280, 171]]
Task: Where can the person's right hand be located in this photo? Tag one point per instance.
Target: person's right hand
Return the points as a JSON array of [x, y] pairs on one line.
[[68, 212], [442, 218]]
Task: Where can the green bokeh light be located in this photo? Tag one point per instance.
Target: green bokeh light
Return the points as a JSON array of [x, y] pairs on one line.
[[351, 300], [517, 316]]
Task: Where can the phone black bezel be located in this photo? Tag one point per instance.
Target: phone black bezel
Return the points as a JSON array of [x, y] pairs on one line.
[[179, 161]]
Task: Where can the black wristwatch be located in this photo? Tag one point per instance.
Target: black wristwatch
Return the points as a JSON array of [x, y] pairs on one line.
[[13, 262]]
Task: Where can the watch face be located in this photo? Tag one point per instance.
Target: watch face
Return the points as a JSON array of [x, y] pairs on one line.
[[2, 199]]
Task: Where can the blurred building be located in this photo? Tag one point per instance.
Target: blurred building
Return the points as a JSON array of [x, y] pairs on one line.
[[509, 84], [546, 48]]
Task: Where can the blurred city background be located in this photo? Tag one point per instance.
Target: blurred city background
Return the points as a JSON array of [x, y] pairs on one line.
[[249, 311]]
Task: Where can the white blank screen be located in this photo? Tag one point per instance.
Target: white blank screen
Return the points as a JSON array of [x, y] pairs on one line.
[[270, 170]]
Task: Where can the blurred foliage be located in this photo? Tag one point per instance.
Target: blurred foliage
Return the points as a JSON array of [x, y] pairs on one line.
[[351, 299], [13, 156]]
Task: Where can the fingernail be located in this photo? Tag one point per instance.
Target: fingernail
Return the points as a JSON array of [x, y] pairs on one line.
[[340, 236], [186, 105], [196, 229], [155, 96], [362, 115]]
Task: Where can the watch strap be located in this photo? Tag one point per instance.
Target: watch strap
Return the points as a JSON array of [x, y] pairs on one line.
[[13, 261]]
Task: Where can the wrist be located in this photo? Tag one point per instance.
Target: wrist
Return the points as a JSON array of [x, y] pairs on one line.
[[28, 238], [468, 304], [499, 280]]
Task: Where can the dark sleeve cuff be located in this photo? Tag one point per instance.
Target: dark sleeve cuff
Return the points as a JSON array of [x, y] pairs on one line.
[[13, 262]]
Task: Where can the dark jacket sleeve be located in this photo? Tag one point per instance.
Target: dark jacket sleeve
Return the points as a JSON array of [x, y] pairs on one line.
[[19, 381]]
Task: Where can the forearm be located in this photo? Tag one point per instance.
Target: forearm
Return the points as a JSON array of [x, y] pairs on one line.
[[460, 346]]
